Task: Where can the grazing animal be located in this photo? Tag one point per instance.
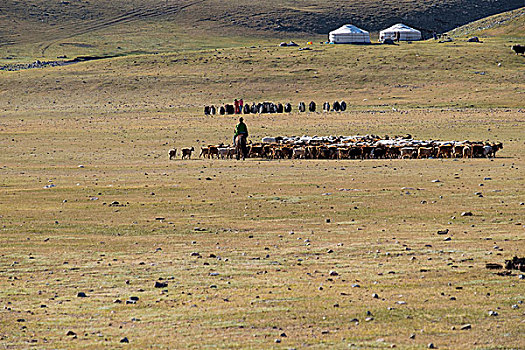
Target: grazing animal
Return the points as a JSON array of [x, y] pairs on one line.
[[280, 108], [213, 111], [393, 152], [477, 150], [323, 152], [240, 147], [445, 151], [457, 151], [213, 151], [256, 151], [496, 147], [172, 153], [312, 106], [277, 153], [302, 107], [186, 152], [225, 152], [424, 152], [205, 151], [326, 107], [222, 110], [288, 108], [467, 151], [343, 153], [355, 152], [336, 106], [378, 152], [298, 153], [366, 152], [408, 152], [342, 105], [246, 109], [206, 110], [230, 109], [287, 152], [518, 49]]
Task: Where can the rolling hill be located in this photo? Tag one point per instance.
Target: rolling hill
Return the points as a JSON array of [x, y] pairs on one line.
[[510, 24], [28, 29]]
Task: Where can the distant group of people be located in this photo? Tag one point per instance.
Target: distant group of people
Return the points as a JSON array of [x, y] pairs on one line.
[[239, 107]]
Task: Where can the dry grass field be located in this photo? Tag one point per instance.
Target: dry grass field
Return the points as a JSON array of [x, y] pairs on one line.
[[262, 254]]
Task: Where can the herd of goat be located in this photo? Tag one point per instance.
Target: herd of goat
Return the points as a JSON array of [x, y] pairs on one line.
[[350, 147], [271, 107]]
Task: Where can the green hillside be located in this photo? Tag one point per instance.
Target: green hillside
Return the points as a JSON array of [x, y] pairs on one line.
[[509, 24], [42, 29]]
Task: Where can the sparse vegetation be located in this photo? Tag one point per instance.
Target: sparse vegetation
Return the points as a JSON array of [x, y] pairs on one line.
[[259, 254]]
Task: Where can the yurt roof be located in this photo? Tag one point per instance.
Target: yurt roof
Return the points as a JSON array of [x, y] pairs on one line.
[[349, 29], [400, 27]]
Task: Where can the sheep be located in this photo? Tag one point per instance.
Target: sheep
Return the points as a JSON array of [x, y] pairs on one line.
[[186, 152], [172, 153]]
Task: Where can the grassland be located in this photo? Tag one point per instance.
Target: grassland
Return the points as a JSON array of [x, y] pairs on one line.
[[45, 30], [260, 228]]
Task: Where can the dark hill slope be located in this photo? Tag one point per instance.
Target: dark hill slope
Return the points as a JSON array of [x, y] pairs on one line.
[[31, 21]]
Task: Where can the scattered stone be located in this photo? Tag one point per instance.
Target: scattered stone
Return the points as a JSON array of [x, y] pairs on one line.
[[161, 284], [69, 333], [124, 340], [81, 295], [283, 335], [327, 221], [436, 180], [277, 341], [333, 273], [493, 266], [195, 254], [329, 251], [368, 319], [117, 301], [447, 239], [466, 213], [431, 346], [443, 232], [375, 296], [466, 327], [134, 298], [515, 306], [493, 313], [355, 285], [412, 336]]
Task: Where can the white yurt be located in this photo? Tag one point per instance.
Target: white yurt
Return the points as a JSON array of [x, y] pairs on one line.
[[400, 32], [349, 34]]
